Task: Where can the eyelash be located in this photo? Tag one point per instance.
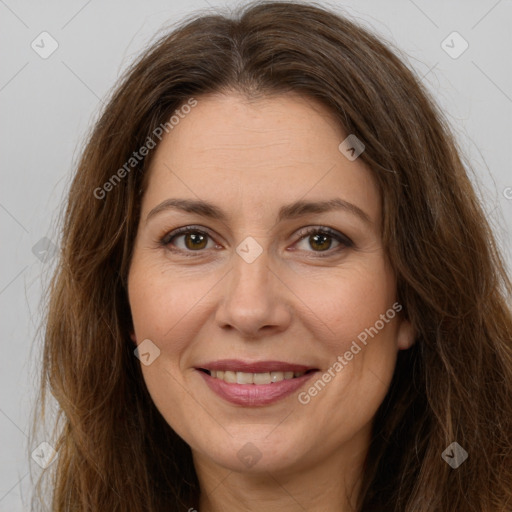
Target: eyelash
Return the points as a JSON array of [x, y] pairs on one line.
[[323, 230]]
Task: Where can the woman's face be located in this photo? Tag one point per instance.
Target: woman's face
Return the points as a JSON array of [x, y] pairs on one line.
[[259, 291]]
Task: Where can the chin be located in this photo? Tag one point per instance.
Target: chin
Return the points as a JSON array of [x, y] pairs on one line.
[[252, 457], [279, 446]]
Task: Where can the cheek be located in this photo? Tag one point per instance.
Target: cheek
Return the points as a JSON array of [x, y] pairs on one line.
[[360, 356], [347, 302], [161, 303]]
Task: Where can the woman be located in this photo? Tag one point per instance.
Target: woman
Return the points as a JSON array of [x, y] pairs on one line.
[[277, 289]]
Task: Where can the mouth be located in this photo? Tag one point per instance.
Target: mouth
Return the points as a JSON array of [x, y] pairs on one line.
[[260, 378], [254, 384]]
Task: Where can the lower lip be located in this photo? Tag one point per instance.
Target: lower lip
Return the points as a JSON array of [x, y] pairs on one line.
[[253, 395]]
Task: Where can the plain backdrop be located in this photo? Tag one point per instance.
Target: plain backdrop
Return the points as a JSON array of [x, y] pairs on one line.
[[49, 104]]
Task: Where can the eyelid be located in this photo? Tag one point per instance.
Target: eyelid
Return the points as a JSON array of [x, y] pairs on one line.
[[168, 236], [309, 230]]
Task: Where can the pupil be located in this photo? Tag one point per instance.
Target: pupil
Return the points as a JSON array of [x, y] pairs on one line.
[[196, 239], [324, 237]]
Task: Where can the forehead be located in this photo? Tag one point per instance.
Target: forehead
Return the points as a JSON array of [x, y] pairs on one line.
[[271, 151]]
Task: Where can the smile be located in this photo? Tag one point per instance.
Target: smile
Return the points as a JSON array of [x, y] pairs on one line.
[[253, 378], [254, 384]]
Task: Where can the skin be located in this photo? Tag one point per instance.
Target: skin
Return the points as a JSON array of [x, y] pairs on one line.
[[290, 304]]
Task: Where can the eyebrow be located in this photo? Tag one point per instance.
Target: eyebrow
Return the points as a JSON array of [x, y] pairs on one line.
[[290, 211]]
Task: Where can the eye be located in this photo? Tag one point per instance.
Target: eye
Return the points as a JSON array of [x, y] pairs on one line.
[[194, 239], [321, 239]]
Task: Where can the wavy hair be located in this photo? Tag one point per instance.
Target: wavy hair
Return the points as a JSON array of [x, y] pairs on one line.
[[116, 452]]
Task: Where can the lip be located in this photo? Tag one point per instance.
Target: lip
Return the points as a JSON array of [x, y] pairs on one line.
[[252, 395]]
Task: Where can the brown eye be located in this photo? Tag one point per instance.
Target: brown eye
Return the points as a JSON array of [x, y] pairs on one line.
[[193, 239], [321, 240]]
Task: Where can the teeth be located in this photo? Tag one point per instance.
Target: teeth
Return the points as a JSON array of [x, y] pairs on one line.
[[228, 377], [253, 378], [276, 376], [262, 378], [244, 378]]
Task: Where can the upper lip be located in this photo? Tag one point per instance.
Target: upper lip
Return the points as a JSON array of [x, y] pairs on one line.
[[235, 365]]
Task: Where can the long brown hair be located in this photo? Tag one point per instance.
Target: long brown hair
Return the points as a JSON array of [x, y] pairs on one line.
[[116, 452]]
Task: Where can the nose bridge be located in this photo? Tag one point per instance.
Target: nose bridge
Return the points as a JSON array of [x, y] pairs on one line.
[[250, 276], [250, 301]]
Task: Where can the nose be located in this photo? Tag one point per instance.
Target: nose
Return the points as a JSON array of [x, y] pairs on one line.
[[256, 301]]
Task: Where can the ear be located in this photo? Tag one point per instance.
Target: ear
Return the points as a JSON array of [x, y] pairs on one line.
[[406, 335], [132, 336]]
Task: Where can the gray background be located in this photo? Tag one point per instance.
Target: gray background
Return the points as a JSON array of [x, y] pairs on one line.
[[48, 105]]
